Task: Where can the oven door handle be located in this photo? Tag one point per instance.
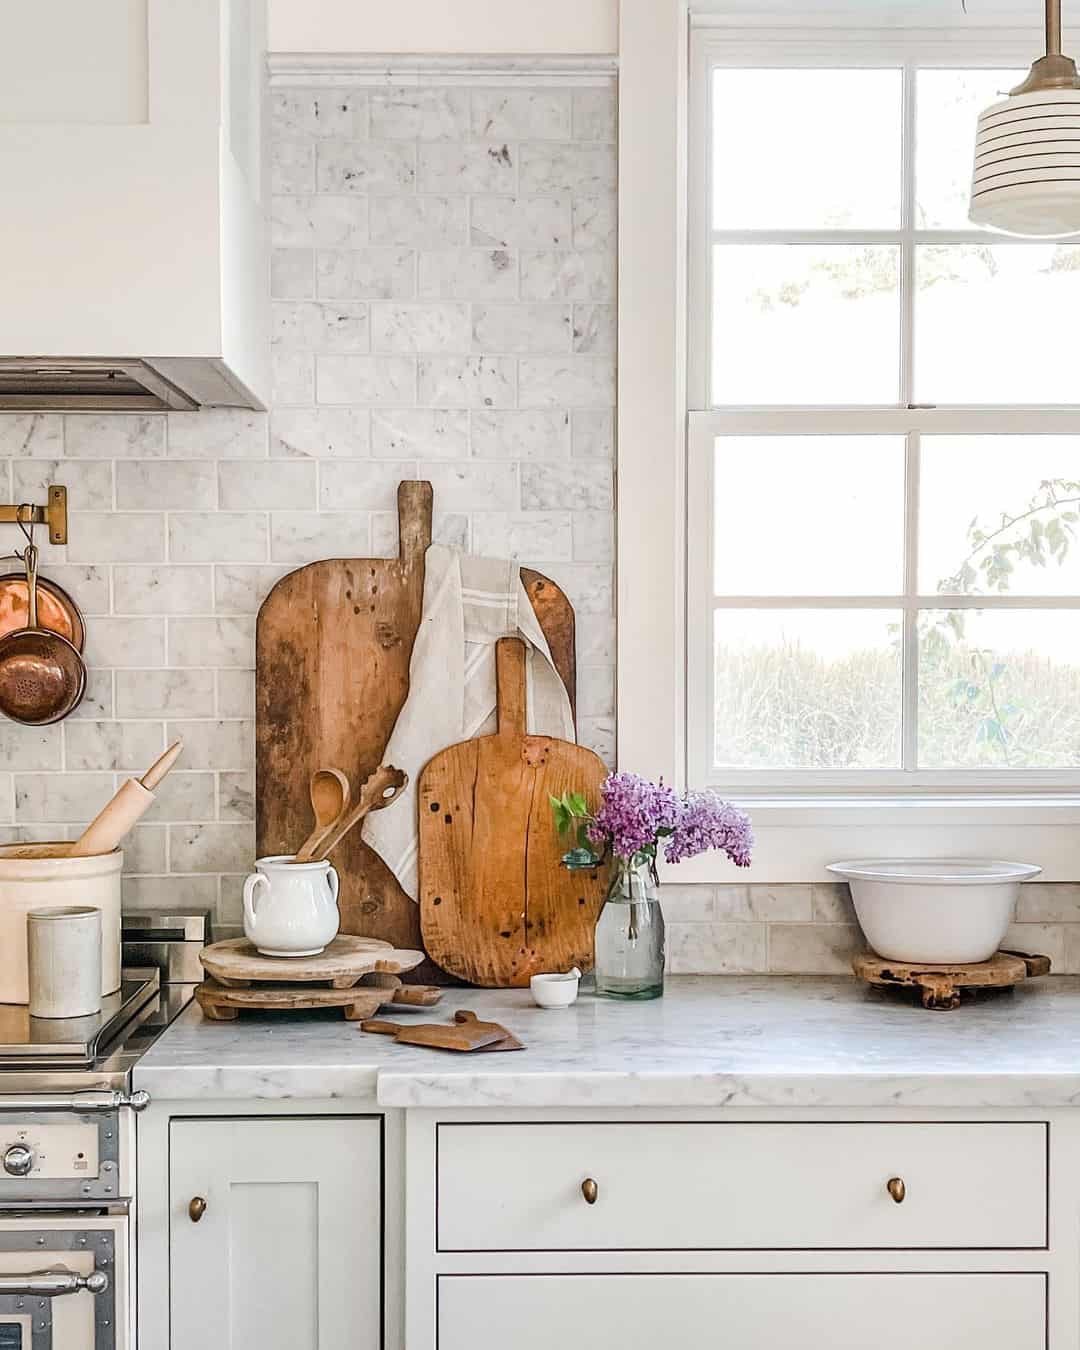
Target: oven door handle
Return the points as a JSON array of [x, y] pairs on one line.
[[53, 1283], [104, 1100]]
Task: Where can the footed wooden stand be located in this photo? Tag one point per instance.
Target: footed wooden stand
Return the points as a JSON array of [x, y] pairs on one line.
[[941, 985], [357, 975]]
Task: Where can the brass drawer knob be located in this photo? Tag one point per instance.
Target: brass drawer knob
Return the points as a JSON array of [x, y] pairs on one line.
[[896, 1188], [590, 1190], [196, 1209]]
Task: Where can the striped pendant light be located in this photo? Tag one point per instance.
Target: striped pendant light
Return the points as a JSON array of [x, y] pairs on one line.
[[1027, 149]]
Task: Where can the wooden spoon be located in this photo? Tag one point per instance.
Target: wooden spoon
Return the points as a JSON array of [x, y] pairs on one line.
[[330, 797], [384, 786]]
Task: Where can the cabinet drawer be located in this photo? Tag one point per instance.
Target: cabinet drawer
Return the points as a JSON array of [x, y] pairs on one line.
[[752, 1312], [662, 1186]]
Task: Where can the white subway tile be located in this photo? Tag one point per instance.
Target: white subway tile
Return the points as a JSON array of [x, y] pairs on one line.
[[579, 169], [535, 434], [596, 691], [521, 328], [717, 948], [89, 482], [532, 536], [25, 748], [292, 273], [236, 693], [49, 798], [420, 327], [421, 433], [344, 327], [292, 166], [594, 114], [419, 222], [150, 484], [104, 537], [87, 585], [320, 433], [162, 590], [445, 168], [474, 486], [144, 849], [468, 273], [318, 112], [520, 222], [217, 433], [594, 536], [40, 435], [165, 693], [596, 641], [217, 536], [129, 747], [378, 168], [1042, 902], [589, 586], [165, 893], [566, 382], [595, 329], [215, 745], [237, 796], [114, 435], [212, 642], [366, 379], [521, 114], [595, 221], [418, 114], [241, 589], [300, 536], [813, 948], [293, 376], [7, 800], [593, 434], [276, 484], [97, 701], [124, 643], [319, 222], [361, 485], [570, 486], [831, 903], [375, 273], [212, 848], [567, 274], [770, 904], [468, 381]]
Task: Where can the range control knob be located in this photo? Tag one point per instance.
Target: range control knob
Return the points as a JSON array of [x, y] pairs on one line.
[[18, 1160]]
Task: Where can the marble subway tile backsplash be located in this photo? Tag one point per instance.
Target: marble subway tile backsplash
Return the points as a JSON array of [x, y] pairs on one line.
[[812, 930], [443, 306]]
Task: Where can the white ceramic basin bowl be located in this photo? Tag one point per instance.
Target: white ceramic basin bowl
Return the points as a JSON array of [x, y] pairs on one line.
[[934, 909]]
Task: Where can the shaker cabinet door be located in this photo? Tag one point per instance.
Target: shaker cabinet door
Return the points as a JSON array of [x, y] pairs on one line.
[[274, 1229], [743, 1312]]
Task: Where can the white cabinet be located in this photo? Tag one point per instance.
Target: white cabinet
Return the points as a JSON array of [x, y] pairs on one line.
[[274, 1233], [744, 1312]]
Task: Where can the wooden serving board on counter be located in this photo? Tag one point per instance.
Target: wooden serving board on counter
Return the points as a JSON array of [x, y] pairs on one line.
[[333, 645], [940, 985], [496, 905], [342, 962]]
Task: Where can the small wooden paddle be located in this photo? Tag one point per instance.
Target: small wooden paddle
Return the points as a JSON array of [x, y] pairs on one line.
[[466, 1033]]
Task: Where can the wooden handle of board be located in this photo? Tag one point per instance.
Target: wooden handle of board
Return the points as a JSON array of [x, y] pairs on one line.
[[510, 685], [414, 504], [379, 1027]]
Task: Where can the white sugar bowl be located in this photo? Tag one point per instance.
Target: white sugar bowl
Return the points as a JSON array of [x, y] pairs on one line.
[[555, 991]]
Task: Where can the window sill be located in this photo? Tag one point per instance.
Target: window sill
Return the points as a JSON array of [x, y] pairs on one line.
[[797, 837]]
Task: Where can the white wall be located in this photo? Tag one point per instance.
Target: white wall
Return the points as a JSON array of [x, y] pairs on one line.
[[475, 27]]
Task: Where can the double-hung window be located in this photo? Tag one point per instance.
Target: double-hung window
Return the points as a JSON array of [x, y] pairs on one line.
[[883, 505]]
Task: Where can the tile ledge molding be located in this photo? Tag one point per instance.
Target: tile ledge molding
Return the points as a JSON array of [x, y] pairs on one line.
[[366, 69]]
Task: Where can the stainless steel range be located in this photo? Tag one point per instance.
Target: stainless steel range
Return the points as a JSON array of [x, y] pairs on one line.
[[67, 1166]]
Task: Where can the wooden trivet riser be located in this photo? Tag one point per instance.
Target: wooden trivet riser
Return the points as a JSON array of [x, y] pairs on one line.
[[222, 1004], [940, 984]]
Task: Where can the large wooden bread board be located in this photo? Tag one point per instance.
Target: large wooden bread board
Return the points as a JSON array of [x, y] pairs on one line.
[[496, 906], [333, 645]]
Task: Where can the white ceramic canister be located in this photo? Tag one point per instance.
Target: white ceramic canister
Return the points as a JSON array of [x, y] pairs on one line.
[[42, 876], [63, 947], [290, 908]]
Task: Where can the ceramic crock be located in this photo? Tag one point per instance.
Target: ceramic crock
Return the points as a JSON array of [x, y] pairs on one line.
[[290, 908]]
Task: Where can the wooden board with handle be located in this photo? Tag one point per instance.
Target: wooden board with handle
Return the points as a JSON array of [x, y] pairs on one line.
[[333, 645], [496, 905], [465, 1033]]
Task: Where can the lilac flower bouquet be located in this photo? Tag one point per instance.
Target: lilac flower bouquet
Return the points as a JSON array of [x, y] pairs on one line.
[[634, 820], [635, 817]]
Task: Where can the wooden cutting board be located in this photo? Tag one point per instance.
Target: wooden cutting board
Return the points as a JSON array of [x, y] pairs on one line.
[[496, 906], [333, 645]]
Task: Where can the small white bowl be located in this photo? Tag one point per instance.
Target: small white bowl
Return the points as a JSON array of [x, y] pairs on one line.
[[555, 991], [934, 909]]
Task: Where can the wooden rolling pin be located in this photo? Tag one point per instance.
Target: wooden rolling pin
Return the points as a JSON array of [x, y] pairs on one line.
[[114, 821]]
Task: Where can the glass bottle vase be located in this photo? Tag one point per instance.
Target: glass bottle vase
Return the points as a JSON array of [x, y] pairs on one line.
[[630, 936]]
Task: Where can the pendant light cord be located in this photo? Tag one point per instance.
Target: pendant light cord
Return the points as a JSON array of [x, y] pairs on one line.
[[1053, 27]]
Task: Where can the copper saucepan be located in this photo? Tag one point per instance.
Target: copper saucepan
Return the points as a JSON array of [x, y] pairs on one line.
[[42, 676]]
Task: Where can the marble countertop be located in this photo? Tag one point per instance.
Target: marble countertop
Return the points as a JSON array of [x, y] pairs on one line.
[[711, 1041]]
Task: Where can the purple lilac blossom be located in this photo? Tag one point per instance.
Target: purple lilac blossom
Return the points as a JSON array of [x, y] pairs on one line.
[[708, 822], [631, 813]]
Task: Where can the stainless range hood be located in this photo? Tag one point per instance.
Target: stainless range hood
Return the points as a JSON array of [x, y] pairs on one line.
[[132, 159]]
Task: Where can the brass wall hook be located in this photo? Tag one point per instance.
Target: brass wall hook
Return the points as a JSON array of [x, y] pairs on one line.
[[54, 514]]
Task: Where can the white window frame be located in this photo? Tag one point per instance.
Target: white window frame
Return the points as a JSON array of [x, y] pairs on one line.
[[658, 490]]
